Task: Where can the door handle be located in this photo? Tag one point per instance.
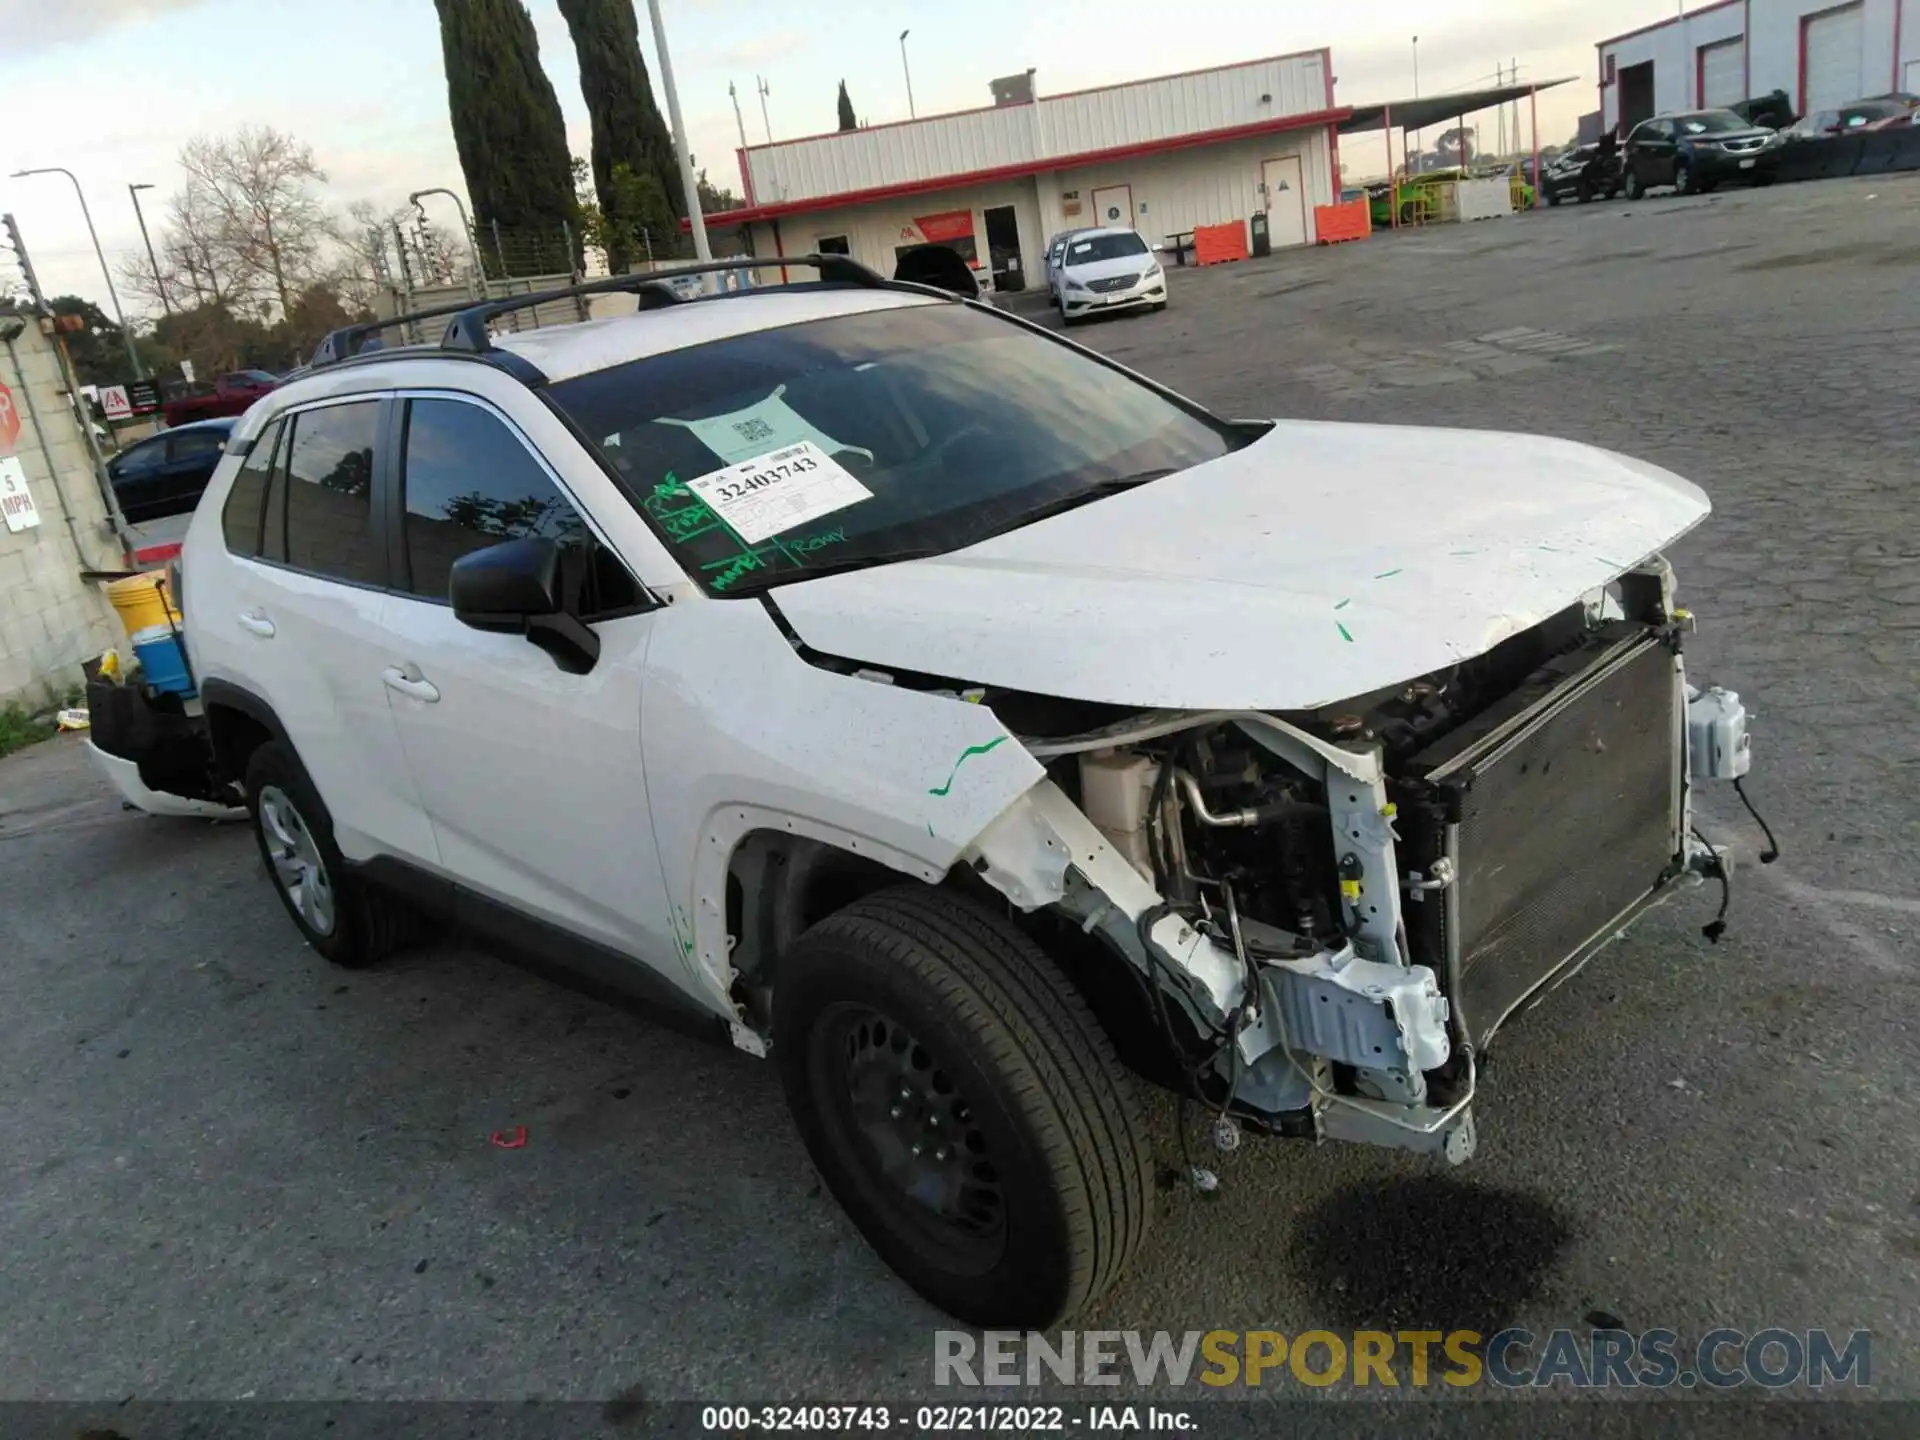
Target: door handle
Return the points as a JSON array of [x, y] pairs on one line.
[[257, 622], [408, 681]]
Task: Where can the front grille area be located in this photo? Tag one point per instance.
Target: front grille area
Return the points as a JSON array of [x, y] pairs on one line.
[[1113, 282], [1559, 809]]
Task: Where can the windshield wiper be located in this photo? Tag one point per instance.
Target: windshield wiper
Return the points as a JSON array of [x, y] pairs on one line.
[[1098, 490], [839, 567]]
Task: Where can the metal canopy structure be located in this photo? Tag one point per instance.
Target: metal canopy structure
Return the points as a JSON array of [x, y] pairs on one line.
[[1433, 110]]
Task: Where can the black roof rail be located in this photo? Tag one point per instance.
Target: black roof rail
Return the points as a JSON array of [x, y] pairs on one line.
[[467, 327]]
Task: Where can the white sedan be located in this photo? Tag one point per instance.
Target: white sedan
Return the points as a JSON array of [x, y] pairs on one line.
[[1110, 269]]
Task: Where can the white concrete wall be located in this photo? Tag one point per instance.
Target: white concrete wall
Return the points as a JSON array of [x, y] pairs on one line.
[[1206, 185], [1773, 49], [51, 620], [1776, 44]]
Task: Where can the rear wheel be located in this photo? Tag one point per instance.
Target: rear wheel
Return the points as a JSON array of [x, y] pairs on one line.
[[1553, 197], [964, 1106], [1635, 190], [1683, 179], [348, 922]]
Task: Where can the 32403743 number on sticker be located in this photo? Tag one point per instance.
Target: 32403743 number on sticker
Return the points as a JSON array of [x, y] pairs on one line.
[[762, 497]]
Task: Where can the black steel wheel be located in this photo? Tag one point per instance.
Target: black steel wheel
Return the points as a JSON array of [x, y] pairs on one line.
[[963, 1105]]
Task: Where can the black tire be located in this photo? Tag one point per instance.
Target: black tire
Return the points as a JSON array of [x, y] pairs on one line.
[[1553, 198], [348, 922], [1585, 193], [1682, 178], [952, 1012], [1635, 190]]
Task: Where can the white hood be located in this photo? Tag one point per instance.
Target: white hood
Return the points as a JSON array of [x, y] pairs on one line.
[[1089, 270], [1322, 562]]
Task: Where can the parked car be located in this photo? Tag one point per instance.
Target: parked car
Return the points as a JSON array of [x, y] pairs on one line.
[[1846, 119], [229, 395], [1585, 172], [1111, 268], [1904, 121], [906, 692], [165, 474], [1056, 248], [1696, 151]]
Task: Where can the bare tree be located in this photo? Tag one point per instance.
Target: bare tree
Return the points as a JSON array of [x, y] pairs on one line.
[[251, 212]]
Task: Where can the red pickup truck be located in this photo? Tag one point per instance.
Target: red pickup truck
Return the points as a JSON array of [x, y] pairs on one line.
[[229, 395]]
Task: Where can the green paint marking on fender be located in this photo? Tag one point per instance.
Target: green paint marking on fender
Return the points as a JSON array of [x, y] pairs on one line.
[[1344, 634], [971, 750]]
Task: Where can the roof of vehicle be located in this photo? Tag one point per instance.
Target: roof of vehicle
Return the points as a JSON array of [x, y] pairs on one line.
[[1104, 230], [564, 351], [219, 422]]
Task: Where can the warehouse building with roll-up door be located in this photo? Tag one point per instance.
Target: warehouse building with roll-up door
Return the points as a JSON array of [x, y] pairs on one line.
[[1254, 144], [1819, 53]]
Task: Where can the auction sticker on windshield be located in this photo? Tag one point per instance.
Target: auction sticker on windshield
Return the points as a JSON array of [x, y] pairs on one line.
[[762, 497]]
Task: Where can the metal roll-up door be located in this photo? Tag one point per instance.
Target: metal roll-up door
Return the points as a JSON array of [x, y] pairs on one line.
[[1723, 78], [1830, 60]]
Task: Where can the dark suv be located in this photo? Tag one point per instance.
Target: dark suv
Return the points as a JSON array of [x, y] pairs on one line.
[[1587, 172], [1695, 151]]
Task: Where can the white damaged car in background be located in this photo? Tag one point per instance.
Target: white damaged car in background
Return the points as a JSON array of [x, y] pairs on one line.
[[967, 722]]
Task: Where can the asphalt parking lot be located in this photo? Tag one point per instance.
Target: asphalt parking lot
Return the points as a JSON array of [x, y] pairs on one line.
[[233, 1172]]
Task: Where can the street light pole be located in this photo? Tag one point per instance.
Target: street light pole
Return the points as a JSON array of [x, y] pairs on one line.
[[688, 180], [765, 119], [466, 225], [158, 283], [908, 72], [106, 274], [1419, 141], [740, 123]]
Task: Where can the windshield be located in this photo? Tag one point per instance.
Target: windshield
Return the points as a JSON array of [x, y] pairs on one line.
[[1105, 247], [1711, 122], [765, 457]]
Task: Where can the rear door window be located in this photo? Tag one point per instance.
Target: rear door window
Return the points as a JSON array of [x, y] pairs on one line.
[[240, 518], [192, 443], [328, 480]]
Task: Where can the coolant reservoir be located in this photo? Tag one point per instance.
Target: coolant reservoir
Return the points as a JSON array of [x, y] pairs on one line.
[[1116, 791]]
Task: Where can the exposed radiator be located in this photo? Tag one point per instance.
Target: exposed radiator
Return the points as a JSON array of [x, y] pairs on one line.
[[1559, 810]]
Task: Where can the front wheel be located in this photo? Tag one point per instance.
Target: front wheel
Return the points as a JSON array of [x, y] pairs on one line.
[[1683, 179], [1553, 198], [964, 1106], [1635, 190]]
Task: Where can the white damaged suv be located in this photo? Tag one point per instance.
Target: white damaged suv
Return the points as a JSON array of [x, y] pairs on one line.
[[962, 720]]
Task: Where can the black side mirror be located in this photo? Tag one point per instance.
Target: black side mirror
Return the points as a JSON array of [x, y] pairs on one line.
[[515, 588]]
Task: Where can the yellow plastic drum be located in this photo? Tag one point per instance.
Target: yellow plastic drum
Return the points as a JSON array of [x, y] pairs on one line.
[[142, 601]]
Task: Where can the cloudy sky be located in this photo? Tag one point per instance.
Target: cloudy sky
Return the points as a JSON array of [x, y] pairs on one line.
[[111, 88]]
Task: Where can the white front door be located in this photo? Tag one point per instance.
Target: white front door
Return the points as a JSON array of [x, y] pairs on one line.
[[1113, 205], [1284, 198], [1831, 59], [531, 776]]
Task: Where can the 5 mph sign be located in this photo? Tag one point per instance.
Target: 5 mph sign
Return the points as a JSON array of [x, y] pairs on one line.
[[16, 501]]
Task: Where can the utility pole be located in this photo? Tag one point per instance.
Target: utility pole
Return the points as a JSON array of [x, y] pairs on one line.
[[908, 72], [158, 283], [734, 96], [688, 180], [761, 82], [1419, 142], [78, 401]]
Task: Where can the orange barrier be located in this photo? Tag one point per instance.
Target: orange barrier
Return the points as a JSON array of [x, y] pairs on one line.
[[1335, 223], [1213, 244]]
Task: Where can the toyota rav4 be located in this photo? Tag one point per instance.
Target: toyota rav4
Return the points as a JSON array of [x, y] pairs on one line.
[[951, 714]]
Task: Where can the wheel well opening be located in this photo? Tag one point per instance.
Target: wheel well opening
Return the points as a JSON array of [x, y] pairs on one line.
[[235, 736]]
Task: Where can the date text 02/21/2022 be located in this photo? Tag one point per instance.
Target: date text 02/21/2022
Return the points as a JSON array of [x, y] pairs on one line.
[[944, 1419]]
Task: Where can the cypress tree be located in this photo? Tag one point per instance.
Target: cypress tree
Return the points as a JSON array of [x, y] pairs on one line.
[[509, 132], [631, 142], [848, 121]]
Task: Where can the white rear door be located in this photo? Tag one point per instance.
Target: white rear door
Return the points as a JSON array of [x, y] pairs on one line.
[[1285, 199], [1831, 59]]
